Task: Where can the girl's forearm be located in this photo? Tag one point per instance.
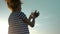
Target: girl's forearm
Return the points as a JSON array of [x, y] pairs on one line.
[[33, 21], [29, 18]]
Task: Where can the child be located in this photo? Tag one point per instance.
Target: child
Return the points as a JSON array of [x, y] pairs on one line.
[[18, 22]]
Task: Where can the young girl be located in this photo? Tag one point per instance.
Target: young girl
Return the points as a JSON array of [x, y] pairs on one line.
[[18, 22]]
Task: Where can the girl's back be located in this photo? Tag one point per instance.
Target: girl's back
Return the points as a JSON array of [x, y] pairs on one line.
[[16, 25]]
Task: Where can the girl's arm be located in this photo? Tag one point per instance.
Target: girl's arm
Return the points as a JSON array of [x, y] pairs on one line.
[[32, 16], [31, 23]]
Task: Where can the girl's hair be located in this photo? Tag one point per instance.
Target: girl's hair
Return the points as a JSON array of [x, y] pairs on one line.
[[13, 4]]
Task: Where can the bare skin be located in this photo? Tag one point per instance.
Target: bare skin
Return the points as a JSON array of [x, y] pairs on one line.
[[29, 22]]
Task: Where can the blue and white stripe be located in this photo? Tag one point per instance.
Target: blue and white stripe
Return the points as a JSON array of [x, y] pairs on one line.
[[16, 24]]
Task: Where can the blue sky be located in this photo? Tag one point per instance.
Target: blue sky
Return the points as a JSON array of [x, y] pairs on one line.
[[47, 23]]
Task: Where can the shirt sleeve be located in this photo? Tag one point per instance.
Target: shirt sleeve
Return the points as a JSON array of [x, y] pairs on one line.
[[23, 16]]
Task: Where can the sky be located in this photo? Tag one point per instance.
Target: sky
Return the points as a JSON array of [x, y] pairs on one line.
[[48, 21]]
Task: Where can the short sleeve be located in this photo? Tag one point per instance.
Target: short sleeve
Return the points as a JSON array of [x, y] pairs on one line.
[[22, 15]]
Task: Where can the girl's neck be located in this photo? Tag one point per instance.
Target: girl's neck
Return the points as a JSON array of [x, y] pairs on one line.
[[16, 10]]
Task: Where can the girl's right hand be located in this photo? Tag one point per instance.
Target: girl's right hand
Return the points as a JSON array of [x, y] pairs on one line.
[[35, 14]]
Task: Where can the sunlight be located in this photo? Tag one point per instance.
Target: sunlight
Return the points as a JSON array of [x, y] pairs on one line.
[[3, 27]]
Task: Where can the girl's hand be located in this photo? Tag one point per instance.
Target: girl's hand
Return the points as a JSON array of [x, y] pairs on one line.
[[34, 15]]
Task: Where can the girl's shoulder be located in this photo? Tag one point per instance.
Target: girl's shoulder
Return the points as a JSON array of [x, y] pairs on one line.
[[22, 13]]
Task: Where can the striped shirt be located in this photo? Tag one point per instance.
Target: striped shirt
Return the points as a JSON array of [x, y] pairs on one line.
[[16, 24]]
